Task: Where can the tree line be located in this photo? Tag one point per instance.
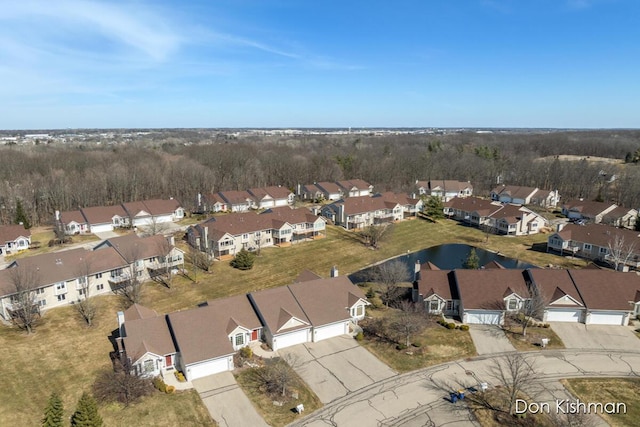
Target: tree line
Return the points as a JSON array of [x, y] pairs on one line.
[[43, 179]]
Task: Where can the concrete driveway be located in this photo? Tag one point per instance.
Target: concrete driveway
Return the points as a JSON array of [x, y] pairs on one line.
[[335, 367], [490, 339], [226, 402], [579, 335], [107, 235]]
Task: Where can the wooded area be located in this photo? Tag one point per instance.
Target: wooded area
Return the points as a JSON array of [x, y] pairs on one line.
[[49, 177]]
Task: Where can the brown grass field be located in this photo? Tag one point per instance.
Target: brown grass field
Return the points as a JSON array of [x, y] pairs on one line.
[[64, 355]]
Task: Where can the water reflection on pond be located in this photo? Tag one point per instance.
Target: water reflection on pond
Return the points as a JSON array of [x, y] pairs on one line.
[[446, 257]]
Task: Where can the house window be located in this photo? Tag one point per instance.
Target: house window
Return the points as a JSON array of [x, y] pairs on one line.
[[245, 236], [40, 291], [587, 247], [449, 305], [434, 305], [512, 304], [98, 275], [61, 287], [82, 291], [62, 297], [99, 286], [604, 251], [148, 366], [239, 339], [42, 302]]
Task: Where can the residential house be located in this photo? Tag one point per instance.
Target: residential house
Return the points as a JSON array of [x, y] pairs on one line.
[[519, 195], [355, 188], [410, 206], [146, 257], [601, 212], [486, 296], [561, 298], [14, 238], [59, 278], [319, 191], [495, 217], [437, 290], [595, 242], [157, 211], [105, 218], [203, 340], [359, 212], [226, 235], [73, 222], [444, 189], [309, 311], [211, 203], [237, 201], [621, 217], [271, 197]]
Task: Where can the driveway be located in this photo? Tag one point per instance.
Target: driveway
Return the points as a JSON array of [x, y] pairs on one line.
[[335, 367], [579, 335], [490, 339], [226, 402], [107, 235]]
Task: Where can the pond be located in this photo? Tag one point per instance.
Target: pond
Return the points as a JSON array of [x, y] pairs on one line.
[[446, 257]]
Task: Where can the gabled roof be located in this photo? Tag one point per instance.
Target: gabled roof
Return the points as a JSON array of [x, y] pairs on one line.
[[473, 204], [306, 276], [271, 303], [203, 333], [588, 207], [136, 209], [328, 187], [326, 301], [161, 206], [363, 204], [147, 335], [514, 191], [350, 184], [399, 198], [133, 248], [72, 216], [137, 311], [606, 290], [437, 282], [235, 197], [9, 233], [619, 212], [598, 234], [213, 198], [448, 185], [103, 214], [486, 289], [553, 285]]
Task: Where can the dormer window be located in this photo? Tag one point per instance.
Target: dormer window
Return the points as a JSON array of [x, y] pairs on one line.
[[512, 304], [239, 340]]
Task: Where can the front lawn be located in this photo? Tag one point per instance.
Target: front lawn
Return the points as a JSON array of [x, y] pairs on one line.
[[278, 415], [605, 390], [533, 339], [437, 344]]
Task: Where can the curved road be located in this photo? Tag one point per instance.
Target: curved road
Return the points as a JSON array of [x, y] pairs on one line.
[[419, 398]]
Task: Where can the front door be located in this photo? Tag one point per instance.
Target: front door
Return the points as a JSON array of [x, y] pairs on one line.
[[254, 335], [168, 361]]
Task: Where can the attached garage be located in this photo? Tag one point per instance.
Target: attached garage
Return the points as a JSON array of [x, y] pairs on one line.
[[483, 317], [210, 367], [330, 331], [606, 318], [101, 228], [292, 338], [564, 315]]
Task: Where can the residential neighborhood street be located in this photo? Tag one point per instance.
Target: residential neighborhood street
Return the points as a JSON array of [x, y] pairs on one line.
[[421, 397]]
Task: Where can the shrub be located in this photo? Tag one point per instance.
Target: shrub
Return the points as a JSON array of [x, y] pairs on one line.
[[464, 327], [359, 336], [246, 352], [417, 344], [180, 376], [376, 302], [370, 292], [170, 389], [546, 325], [244, 260], [451, 325], [159, 384], [401, 347]]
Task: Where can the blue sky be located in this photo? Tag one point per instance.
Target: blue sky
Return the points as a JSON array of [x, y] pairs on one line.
[[299, 63]]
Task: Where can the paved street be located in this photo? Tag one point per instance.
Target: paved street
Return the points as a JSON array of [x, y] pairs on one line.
[[226, 402], [335, 367], [489, 339], [420, 397]]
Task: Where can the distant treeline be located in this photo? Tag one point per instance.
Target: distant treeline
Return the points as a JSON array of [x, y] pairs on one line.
[[50, 177]]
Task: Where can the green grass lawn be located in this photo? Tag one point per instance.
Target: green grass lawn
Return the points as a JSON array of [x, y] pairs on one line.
[[65, 355], [610, 390]]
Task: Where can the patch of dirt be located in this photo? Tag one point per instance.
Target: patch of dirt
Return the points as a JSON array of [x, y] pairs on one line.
[[441, 350]]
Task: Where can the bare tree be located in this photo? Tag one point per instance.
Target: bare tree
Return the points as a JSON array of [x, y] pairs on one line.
[[276, 376], [389, 275], [374, 234], [85, 305], [129, 284], [408, 321], [163, 272], [515, 375], [154, 227], [121, 384], [619, 251], [532, 308], [25, 310]]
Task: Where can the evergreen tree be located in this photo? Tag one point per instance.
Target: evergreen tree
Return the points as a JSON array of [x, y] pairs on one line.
[[21, 215], [86, 414], [433, 207], [53, 413], [472, 262], [243, 260]]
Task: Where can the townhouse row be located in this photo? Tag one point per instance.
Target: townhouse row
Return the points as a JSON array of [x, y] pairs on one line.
[[202, 341], [97, 219], [61, 278], [487, 296]]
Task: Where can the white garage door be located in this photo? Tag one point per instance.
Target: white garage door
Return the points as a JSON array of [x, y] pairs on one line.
[[209, 368], [101, 228], [330, 331], [481, 317], [292, 338], [606, 318], [567, 315]]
